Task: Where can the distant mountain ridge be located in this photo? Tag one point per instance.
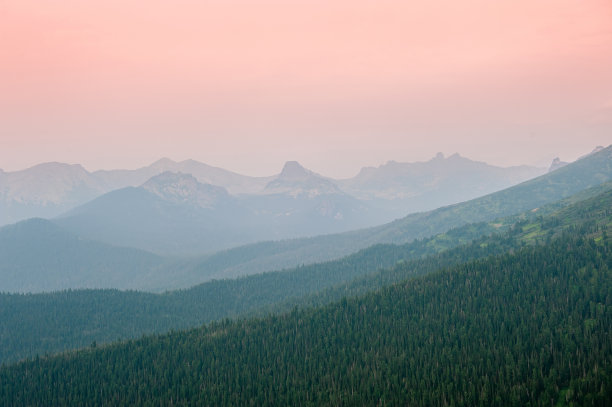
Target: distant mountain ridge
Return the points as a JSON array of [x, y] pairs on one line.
[[410, 187], [590, 171], [185, 188], [50, 189], [174, 214], [103, 315], [41, 248], [556, 164], [45, 190], [296, 180]]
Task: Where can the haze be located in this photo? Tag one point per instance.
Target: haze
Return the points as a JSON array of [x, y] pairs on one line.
[[247, 85]]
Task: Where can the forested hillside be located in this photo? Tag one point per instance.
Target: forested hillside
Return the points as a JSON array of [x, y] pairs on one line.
[[529, 328], [587, 172], [35, 324]]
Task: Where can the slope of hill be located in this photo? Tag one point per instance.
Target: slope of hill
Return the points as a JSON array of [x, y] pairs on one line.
[[204, 173], [411, 187], [174, 214], [37, 255], [44, 190], [589, 171], [151, 210], [34, 324], [528, 328], [295, 180], [140, 218], [49, 189]]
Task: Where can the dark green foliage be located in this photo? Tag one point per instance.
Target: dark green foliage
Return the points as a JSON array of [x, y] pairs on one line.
[[35, 324], [529, 328]]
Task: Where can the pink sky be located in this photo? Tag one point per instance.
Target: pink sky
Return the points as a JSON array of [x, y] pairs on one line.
[[249, 84]]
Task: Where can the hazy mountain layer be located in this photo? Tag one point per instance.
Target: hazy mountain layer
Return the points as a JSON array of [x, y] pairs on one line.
[[63, 320], [37, 255], [37, 260], [592, 170], [48, 190], [174, 214], [411, 187], [294, 204]]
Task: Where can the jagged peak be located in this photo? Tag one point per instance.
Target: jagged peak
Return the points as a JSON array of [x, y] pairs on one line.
[[556, 164], [293, 169]]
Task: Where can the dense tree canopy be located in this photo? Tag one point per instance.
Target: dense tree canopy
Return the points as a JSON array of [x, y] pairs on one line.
[[527, 328]]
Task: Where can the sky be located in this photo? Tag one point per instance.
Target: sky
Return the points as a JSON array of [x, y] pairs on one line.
[[337, 85]]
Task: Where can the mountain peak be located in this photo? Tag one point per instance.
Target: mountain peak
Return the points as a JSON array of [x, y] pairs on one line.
[[163, 162], [293, 169], [56, 166], [296, 180], [556, 164], [184, 188]]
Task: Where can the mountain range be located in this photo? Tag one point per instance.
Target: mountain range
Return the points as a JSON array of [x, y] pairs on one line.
[[423, 310], [589, 171], [173, 211], [175, 214], [516, 318], [395, 189], [63, 319]]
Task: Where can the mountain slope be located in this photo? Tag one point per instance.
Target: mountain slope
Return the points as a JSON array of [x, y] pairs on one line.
[[204, 173], [411, 187], [589, 171], [37, 255], [34, 324], [530, 328], [49, 189], [157, 218], [174, 214], [295, 180], [44, 190]]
